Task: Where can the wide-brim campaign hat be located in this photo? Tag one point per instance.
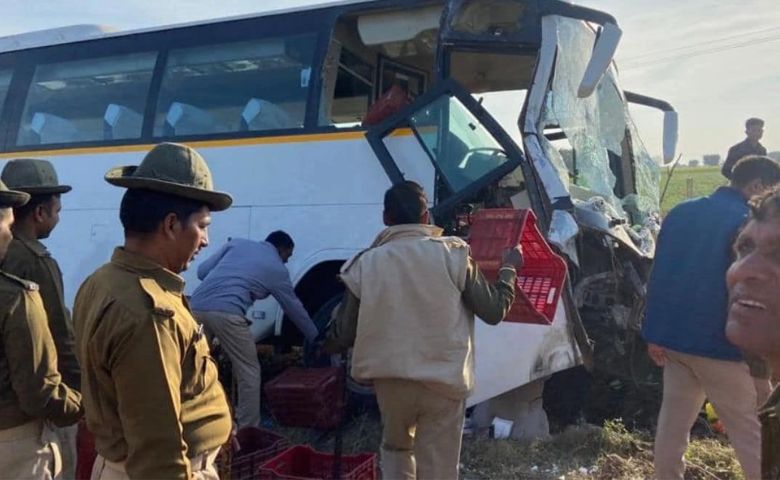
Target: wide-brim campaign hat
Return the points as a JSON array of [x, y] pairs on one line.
[[12, 198], [33, 176], [174, 169]]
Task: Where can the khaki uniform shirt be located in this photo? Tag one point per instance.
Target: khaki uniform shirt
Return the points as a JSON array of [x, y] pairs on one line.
[[410, 309], [490, 302], [30, 386], [29, 259], [769, 415], [149, 383]]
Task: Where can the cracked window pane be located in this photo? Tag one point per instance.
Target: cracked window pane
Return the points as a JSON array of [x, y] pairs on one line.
[[648, 175], [602, 155]]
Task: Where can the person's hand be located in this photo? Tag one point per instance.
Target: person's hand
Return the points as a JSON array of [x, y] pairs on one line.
[[657, 354], [514, 258]]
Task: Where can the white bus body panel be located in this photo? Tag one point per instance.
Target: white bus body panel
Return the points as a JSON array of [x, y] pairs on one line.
[[326, 193]]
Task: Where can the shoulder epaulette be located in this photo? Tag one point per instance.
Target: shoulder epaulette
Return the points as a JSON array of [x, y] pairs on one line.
[[453, 242], [26, 284], [155, 293]]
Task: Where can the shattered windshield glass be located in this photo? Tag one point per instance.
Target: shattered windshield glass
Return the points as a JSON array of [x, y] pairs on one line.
[[593, 152]]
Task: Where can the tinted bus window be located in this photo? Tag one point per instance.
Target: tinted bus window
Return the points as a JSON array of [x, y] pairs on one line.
[[87, 100], [233, 87], [5, 83]]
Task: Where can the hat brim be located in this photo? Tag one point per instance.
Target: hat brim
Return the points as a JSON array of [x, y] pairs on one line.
[[13, 198], [48, 190], [122, 177]]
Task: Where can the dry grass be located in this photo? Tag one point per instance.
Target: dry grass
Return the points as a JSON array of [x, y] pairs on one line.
[[585, 452]]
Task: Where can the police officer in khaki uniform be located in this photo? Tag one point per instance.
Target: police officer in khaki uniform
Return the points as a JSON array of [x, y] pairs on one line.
[[754, 311], [28, 258], [32, 394], [153, 401], [408, 313]]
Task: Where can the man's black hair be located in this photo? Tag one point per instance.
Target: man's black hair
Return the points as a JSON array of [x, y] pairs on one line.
[[405, 203], [142, 210], [20, 213], [754, 121], [755, 167], [280, 239]]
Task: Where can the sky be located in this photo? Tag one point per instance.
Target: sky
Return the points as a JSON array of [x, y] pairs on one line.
[[715, 61]]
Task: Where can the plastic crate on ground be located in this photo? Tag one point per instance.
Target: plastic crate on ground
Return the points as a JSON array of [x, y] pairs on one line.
[[307, 397], [257, 446], [304, 463], [540, 281]]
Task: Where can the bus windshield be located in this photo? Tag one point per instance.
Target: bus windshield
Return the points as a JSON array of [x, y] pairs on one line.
[[599, 152]]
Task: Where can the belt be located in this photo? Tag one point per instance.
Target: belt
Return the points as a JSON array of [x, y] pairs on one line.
[[25, 430], [197, 463]]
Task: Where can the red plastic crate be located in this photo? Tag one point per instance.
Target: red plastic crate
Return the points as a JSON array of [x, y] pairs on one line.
[[307, 397], [540, 281], [257, 446], [304, 463]]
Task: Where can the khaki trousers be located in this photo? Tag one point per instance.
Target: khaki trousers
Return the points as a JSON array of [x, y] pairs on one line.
[[202, 468], [421, 431], [236, 339], [67, 439], [688, 380], [29, 451]]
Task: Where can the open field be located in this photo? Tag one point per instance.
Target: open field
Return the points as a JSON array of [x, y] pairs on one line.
[[690, 182]]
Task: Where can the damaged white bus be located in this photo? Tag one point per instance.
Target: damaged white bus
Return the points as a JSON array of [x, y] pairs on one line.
[[296, 112]]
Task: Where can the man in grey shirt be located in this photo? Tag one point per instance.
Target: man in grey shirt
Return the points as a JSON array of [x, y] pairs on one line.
[[239, 273]]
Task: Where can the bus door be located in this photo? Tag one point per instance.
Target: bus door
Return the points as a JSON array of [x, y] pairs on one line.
[[469, 151]]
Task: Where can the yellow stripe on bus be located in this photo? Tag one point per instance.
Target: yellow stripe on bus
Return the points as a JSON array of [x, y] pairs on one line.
[[312, 137]]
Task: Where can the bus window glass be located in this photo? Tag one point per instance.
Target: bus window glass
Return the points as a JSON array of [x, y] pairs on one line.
[[5, 83], [457, 142], [353, 91], [87, 100], [595, 127], [232, 87]]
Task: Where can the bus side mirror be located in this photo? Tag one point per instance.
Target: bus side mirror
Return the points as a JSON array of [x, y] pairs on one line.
[[670, 136], [603, 53]]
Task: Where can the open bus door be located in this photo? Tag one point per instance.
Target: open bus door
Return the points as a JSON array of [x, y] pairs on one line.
[[465, 145], [470, 153]]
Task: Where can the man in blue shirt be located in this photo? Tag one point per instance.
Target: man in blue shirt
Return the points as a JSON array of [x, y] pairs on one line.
[[239, 273], [686, 317]]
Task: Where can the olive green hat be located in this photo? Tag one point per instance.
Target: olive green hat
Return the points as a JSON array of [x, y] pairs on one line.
[[12, 198], [33, 176], [174, 169]]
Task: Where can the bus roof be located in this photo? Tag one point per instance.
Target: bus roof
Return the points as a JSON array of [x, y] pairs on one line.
[[78, 33]]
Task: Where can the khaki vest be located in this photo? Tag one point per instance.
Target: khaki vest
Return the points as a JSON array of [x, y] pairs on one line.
[[412, 322]]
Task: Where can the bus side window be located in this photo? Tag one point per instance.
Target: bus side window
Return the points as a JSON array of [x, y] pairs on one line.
[[5, 83], [254, 85], [70, 102], [351, 82]]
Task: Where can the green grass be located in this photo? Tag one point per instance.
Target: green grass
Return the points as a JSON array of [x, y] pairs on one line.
[[704, 180]]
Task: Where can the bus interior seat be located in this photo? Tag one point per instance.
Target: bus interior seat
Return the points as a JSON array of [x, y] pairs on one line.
[[121, 122], [185, 119], [48, 128], [261, 114]]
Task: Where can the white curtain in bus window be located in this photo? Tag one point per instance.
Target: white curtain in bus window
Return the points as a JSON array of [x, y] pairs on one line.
[[89, 100], [246, 86]]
